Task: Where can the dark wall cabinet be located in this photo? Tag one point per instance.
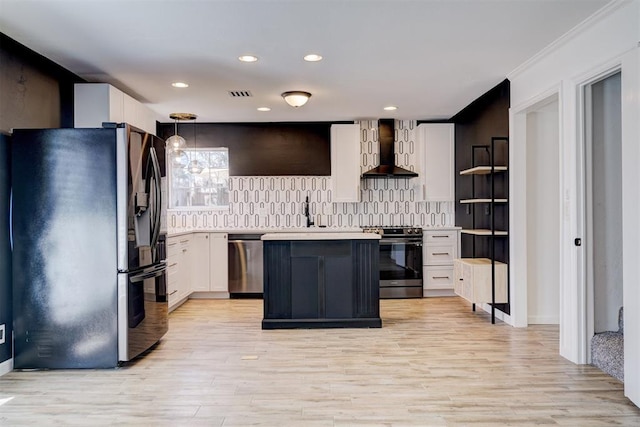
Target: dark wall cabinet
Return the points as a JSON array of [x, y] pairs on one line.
[[321, 283]]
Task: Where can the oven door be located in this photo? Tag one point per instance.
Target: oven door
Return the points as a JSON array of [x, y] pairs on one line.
[[400, 268]]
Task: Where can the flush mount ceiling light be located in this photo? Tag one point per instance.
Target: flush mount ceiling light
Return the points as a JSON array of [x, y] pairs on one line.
[[264, 109], [179, 84], [248, 58], [296, 98], [390, 108], [313, 57]]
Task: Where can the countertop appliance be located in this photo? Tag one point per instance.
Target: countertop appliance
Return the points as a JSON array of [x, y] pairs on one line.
[[245, 265], [89, 274], [400, 261]]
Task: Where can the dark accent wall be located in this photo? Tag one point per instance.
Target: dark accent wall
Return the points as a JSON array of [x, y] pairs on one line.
[[274, 149], [6, 314], [34, 93], [486, 117]]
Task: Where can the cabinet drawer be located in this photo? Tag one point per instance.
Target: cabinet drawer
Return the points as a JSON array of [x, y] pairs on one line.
[[440, 237], [438, 278], [173, 247], [439, 255]]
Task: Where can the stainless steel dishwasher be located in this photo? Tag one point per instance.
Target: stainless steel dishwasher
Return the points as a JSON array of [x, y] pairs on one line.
[[245, 265]]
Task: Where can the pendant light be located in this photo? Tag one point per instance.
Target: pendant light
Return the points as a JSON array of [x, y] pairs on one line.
[[195, 167], [175, 142]]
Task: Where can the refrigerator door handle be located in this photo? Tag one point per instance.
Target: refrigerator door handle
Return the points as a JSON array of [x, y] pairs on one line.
[[11, 219], [158, 195], [156, 271], [153, 174]]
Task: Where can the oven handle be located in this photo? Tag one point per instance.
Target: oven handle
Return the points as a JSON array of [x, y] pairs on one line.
[[400, 241]]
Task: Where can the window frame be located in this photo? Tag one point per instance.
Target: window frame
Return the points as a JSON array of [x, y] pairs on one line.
[[170, 180]]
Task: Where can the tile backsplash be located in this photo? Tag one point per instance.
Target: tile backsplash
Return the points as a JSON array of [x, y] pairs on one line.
[[278, 201]]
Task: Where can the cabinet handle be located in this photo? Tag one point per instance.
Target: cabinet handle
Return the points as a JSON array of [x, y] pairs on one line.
[[173, 265], [184, 250], [441, 253], [172, 244], [173, 292], [184, 241], [440, 236], [440, 277]]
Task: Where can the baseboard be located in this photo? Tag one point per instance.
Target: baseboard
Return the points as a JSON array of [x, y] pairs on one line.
[[6, 367], [499, 314], [427, 293], [209, 295], [543, 320]]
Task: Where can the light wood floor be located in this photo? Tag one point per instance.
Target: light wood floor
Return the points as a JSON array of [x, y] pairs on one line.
[[434, 363]]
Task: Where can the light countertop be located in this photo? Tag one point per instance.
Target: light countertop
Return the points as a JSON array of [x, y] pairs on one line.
[[321, 236]]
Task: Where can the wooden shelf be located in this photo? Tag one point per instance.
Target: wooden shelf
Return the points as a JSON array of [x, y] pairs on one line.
[[482, 170], [484, 232], [464, 201]]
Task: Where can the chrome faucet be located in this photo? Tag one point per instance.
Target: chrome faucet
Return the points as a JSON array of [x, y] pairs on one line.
[[306, 212]]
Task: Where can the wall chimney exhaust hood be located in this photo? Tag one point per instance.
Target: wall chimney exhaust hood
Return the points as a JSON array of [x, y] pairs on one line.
[[387, 167]]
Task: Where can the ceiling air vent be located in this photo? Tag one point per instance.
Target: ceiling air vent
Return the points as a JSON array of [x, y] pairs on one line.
[[239, 93]]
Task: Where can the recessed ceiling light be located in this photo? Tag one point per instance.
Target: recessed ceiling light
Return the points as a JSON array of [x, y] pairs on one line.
[[391, 108], [264, 109], [248, 58], [179, 84], [313, 57]]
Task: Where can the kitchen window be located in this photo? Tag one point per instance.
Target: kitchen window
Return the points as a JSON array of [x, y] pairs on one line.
[[206, 190]]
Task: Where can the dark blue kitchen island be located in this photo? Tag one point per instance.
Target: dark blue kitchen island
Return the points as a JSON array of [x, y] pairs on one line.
[[321, 280]]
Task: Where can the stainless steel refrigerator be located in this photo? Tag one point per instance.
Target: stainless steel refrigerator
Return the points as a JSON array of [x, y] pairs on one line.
[[89, 274]]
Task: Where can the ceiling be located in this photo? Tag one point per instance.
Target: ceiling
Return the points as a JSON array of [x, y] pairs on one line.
[[430, 58]]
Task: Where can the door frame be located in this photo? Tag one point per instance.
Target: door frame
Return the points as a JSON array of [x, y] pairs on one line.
[[518, 216], [584, 203]]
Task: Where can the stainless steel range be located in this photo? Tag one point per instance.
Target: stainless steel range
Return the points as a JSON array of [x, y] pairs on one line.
[[400, 261]]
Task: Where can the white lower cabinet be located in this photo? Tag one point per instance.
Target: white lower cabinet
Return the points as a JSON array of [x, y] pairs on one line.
[[200, 262], [209, 265], [178, 270], [218, 263], [439, 250], [473, 280], [197, 267]]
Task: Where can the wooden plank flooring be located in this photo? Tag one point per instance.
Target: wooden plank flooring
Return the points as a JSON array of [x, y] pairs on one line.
[[434, 363]]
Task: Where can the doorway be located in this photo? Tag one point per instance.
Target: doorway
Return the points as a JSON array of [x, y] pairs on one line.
[[602, 204], [543, 212]]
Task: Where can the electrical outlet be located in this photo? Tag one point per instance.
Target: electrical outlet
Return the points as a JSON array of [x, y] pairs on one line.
[[2, 333]]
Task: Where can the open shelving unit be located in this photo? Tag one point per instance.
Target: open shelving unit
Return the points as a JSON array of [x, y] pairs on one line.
[[489, 204]]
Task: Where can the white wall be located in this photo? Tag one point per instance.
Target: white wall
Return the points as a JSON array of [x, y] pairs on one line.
[[609, 39], [543, 219]]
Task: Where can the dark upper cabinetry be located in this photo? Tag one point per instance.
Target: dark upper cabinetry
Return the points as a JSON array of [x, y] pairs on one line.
[[263, 149]]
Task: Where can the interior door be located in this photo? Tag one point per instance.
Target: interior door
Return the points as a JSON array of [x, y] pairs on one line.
[[602, 203]]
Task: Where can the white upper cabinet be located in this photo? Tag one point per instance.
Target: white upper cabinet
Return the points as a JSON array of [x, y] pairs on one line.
[[95, 103], [436, 151], [345, 162]]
